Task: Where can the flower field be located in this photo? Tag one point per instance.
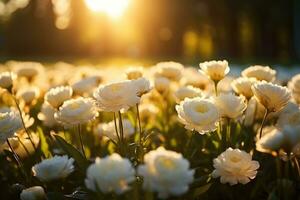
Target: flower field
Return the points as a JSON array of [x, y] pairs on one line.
[[162, 132]]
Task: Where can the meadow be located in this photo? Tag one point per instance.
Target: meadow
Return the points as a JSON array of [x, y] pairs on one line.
[[167, 131]]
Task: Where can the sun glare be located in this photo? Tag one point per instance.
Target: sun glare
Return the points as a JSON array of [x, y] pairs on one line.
[[113, 8]]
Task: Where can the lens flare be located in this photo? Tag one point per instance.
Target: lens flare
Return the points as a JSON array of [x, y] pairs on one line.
[[112, 8]]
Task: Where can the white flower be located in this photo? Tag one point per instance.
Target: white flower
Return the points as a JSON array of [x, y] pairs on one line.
[[192, 76], [28, 94], [215, 70], [260, 73], [273, 97], [230, 105], [76, 111], [142, 86], [53, 168], [108, 129], [47, 115], [291, 107], [294, 83], [291, 118], [224, 86], [166, 172], [27, 69], [134, 73], [242, 86], [116, 96], [288, 115], [110, 174], [235, 166], [161, 84], [294, 86], [170, 70], [63, 69], [86, 85], [56, 96], [10, 122], [26, 117], [198, 114], [286, 138], [271, 141], [7, 79], [33, 193], [187, 92]]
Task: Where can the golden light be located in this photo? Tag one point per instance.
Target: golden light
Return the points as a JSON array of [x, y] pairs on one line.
[[112, 8]]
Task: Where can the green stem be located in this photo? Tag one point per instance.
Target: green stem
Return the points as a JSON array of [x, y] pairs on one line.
[[80, 139], [223, 133], [219, 131], [121, 126], [216, 87], [116, 128], [14, 153], [167, 115], [23, 123], [123, 151], [119, 146], [19, 164], [263, 122], [188, 145], [139, 123], [140, 132], [228, 134]]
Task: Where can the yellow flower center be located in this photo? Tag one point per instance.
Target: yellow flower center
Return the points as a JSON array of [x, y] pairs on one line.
[[109, 167], [115, 88], [75, 106], [235, 159], [166, 162], [122, 183], [201, 108]]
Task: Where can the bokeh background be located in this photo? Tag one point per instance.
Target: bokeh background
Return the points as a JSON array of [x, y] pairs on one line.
[[260, 31]]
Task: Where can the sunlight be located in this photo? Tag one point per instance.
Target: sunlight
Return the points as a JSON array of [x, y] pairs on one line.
[[113, 8]]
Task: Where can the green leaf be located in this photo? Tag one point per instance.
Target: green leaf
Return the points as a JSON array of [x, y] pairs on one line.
[[43, 143], [201, 190], [72, 152]]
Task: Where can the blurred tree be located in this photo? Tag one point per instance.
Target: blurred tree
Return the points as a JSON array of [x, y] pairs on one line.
[[296, 25], [195, 29], [31, 30]]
